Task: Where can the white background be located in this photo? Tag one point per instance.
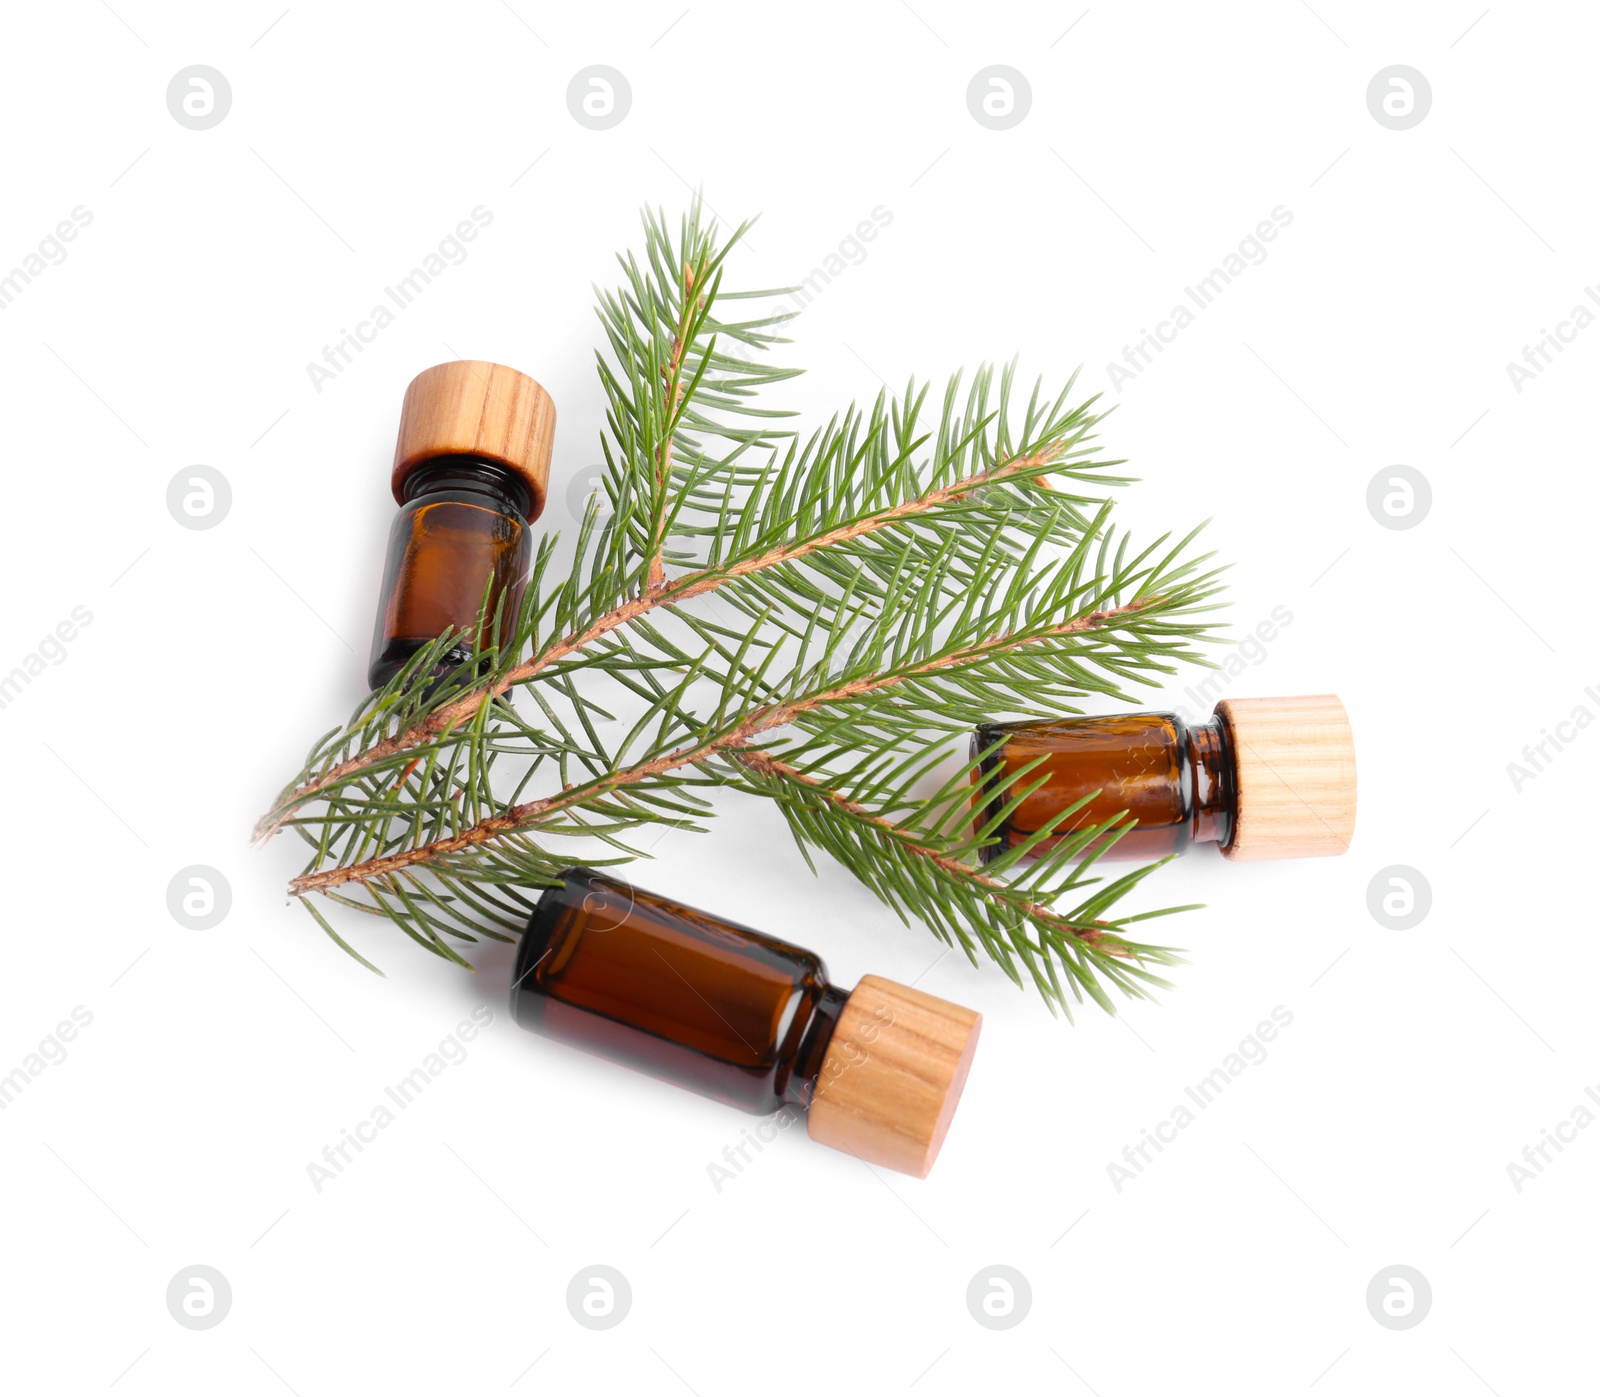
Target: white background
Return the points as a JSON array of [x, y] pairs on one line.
[[219, 1063]]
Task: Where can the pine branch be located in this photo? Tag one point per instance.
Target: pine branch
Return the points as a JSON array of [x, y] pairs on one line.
[[894, 577]]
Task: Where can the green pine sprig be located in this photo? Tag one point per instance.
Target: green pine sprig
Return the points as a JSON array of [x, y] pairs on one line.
[[815, 619]]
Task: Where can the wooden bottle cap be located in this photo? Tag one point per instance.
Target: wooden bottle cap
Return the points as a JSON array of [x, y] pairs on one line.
[[472, 408], [893, 1074], [1295, 775]]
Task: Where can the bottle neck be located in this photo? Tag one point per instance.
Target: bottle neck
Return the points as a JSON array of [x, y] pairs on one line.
[[501, 486], [1209, 780], [815, 1037]]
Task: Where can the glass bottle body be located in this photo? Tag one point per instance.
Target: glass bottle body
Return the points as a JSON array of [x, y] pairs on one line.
[[463, 525], [690, 998], [1175, 779]]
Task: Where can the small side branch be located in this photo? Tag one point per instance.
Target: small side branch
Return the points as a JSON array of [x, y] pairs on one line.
[[672, 374], [1092, 934]]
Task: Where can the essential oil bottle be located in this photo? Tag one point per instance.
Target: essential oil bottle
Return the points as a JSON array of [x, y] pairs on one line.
[[742, 1017], [1267, 778], [469, 476]]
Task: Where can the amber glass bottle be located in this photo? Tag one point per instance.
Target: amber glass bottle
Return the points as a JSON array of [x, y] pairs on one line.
[[469, 475], [1262, 778], [743, 1017]]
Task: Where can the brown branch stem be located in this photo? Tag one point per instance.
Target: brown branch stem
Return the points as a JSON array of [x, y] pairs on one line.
[[759, 720]]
